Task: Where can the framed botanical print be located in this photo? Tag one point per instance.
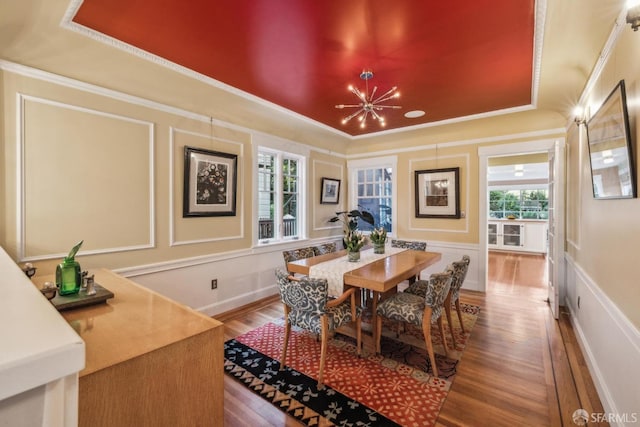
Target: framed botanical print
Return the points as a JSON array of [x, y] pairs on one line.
[[209, 183]]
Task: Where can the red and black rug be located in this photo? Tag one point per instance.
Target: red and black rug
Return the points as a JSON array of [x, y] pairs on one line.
[[395, 387]]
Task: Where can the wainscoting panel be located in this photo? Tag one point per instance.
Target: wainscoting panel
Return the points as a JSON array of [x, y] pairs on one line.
[[610, 343], [248, 275]]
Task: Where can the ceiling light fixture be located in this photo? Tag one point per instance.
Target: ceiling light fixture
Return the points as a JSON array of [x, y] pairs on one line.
[[633, 14], [368, 104]]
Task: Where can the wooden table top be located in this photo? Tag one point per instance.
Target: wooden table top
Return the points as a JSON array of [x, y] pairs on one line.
[[380, 275], [384, 274], [135, 321]]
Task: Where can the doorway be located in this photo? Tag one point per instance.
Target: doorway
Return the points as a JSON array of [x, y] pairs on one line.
[[555, 255], [518, 187]]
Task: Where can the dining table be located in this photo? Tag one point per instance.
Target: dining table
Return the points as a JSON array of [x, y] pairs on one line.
[[379, 274]]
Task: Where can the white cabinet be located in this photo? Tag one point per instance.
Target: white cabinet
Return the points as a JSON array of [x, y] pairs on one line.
[[40, 356], [517, 236]]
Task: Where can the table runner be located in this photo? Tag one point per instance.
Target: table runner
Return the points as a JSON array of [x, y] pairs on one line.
[[334, 270]]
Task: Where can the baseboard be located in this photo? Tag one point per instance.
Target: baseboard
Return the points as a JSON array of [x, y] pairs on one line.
[[238, 301], [610, 344]]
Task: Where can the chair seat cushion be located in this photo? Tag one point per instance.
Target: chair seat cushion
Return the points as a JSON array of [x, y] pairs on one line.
[[406, 307], [338, 316]]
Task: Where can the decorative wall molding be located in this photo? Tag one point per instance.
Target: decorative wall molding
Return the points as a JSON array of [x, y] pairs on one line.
[[241, 185], [21, 172], [475, 141], [67, 23], [316, 191], [56, 79]]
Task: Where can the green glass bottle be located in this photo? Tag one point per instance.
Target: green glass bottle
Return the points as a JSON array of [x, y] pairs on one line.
[[68, 273]]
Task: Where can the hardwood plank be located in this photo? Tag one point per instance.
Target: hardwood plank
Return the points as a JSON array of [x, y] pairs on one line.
[[517, 362]]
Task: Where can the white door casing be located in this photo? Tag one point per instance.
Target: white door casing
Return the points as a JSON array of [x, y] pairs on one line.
[[555, 148]]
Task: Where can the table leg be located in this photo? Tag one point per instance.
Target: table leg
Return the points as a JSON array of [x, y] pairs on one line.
[[374, 313]]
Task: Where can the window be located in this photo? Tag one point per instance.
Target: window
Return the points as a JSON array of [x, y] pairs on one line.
[[279, 196], [373, 191], [519, 203]]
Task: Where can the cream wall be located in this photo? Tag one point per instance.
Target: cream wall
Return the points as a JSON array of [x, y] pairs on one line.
[[81, 165], [122, 189], [603, 234]]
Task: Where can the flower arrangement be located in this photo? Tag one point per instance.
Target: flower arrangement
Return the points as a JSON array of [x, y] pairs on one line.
[[378, 235], [354, 241]]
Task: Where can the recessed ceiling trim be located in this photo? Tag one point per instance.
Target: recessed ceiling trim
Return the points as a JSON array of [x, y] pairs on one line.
[[538, 43], [448, 121], [68, 23]]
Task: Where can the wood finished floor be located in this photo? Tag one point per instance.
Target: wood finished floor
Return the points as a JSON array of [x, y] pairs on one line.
[[520, 366]]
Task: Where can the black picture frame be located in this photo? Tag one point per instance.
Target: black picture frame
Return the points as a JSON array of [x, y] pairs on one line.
[[330, 191], [437, 193], [610, 148], [210, 183]]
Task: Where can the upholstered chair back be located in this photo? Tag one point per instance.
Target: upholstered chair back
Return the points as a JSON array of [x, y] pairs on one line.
[[324, 248], [296, 254], [407, 244]]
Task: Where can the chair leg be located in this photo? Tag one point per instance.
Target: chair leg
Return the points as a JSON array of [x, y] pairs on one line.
[[378, 334], [359, 335], [287, 330], [447, 310], [444, 337], [323, 348], [426, 330], [460, 315]]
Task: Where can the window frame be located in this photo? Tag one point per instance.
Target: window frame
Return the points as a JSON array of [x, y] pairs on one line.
[[520, 189], [354, 166], [281, 149]]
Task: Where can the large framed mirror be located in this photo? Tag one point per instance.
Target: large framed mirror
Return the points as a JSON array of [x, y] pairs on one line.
[[610, 148]]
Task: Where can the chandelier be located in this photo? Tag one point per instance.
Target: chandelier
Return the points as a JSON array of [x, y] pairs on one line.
[[369, 106]]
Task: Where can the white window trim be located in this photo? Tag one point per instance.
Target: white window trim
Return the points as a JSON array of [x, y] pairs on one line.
[[273, 144], [353, 166]]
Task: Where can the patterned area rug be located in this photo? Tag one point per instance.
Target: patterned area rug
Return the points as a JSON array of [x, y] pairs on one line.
[[395, 387]]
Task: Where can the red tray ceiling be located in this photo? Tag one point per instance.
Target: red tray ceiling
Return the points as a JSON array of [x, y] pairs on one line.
[[450, 59]]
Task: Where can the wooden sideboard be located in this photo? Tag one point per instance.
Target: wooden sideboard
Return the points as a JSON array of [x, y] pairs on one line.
[[150, 361]]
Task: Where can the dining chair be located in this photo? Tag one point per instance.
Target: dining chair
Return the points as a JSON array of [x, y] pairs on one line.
[[460, 269], [419, 310], [324, 248], [409, 244], [307, 306], [296, 254]]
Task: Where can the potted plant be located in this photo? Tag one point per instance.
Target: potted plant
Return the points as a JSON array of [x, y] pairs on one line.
[[350, 221], [378, 237], [353, 241]]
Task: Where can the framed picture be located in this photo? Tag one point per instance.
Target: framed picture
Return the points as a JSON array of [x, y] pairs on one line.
[[209, 183], [438, 193], [610, 153], [330, 191]]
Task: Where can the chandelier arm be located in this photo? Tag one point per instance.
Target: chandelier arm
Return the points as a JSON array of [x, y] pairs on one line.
[[351, 116], [359, 94], [378, 101], [341, 106], [363, 120], [380, 107], [373, 92], [387, 93]]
